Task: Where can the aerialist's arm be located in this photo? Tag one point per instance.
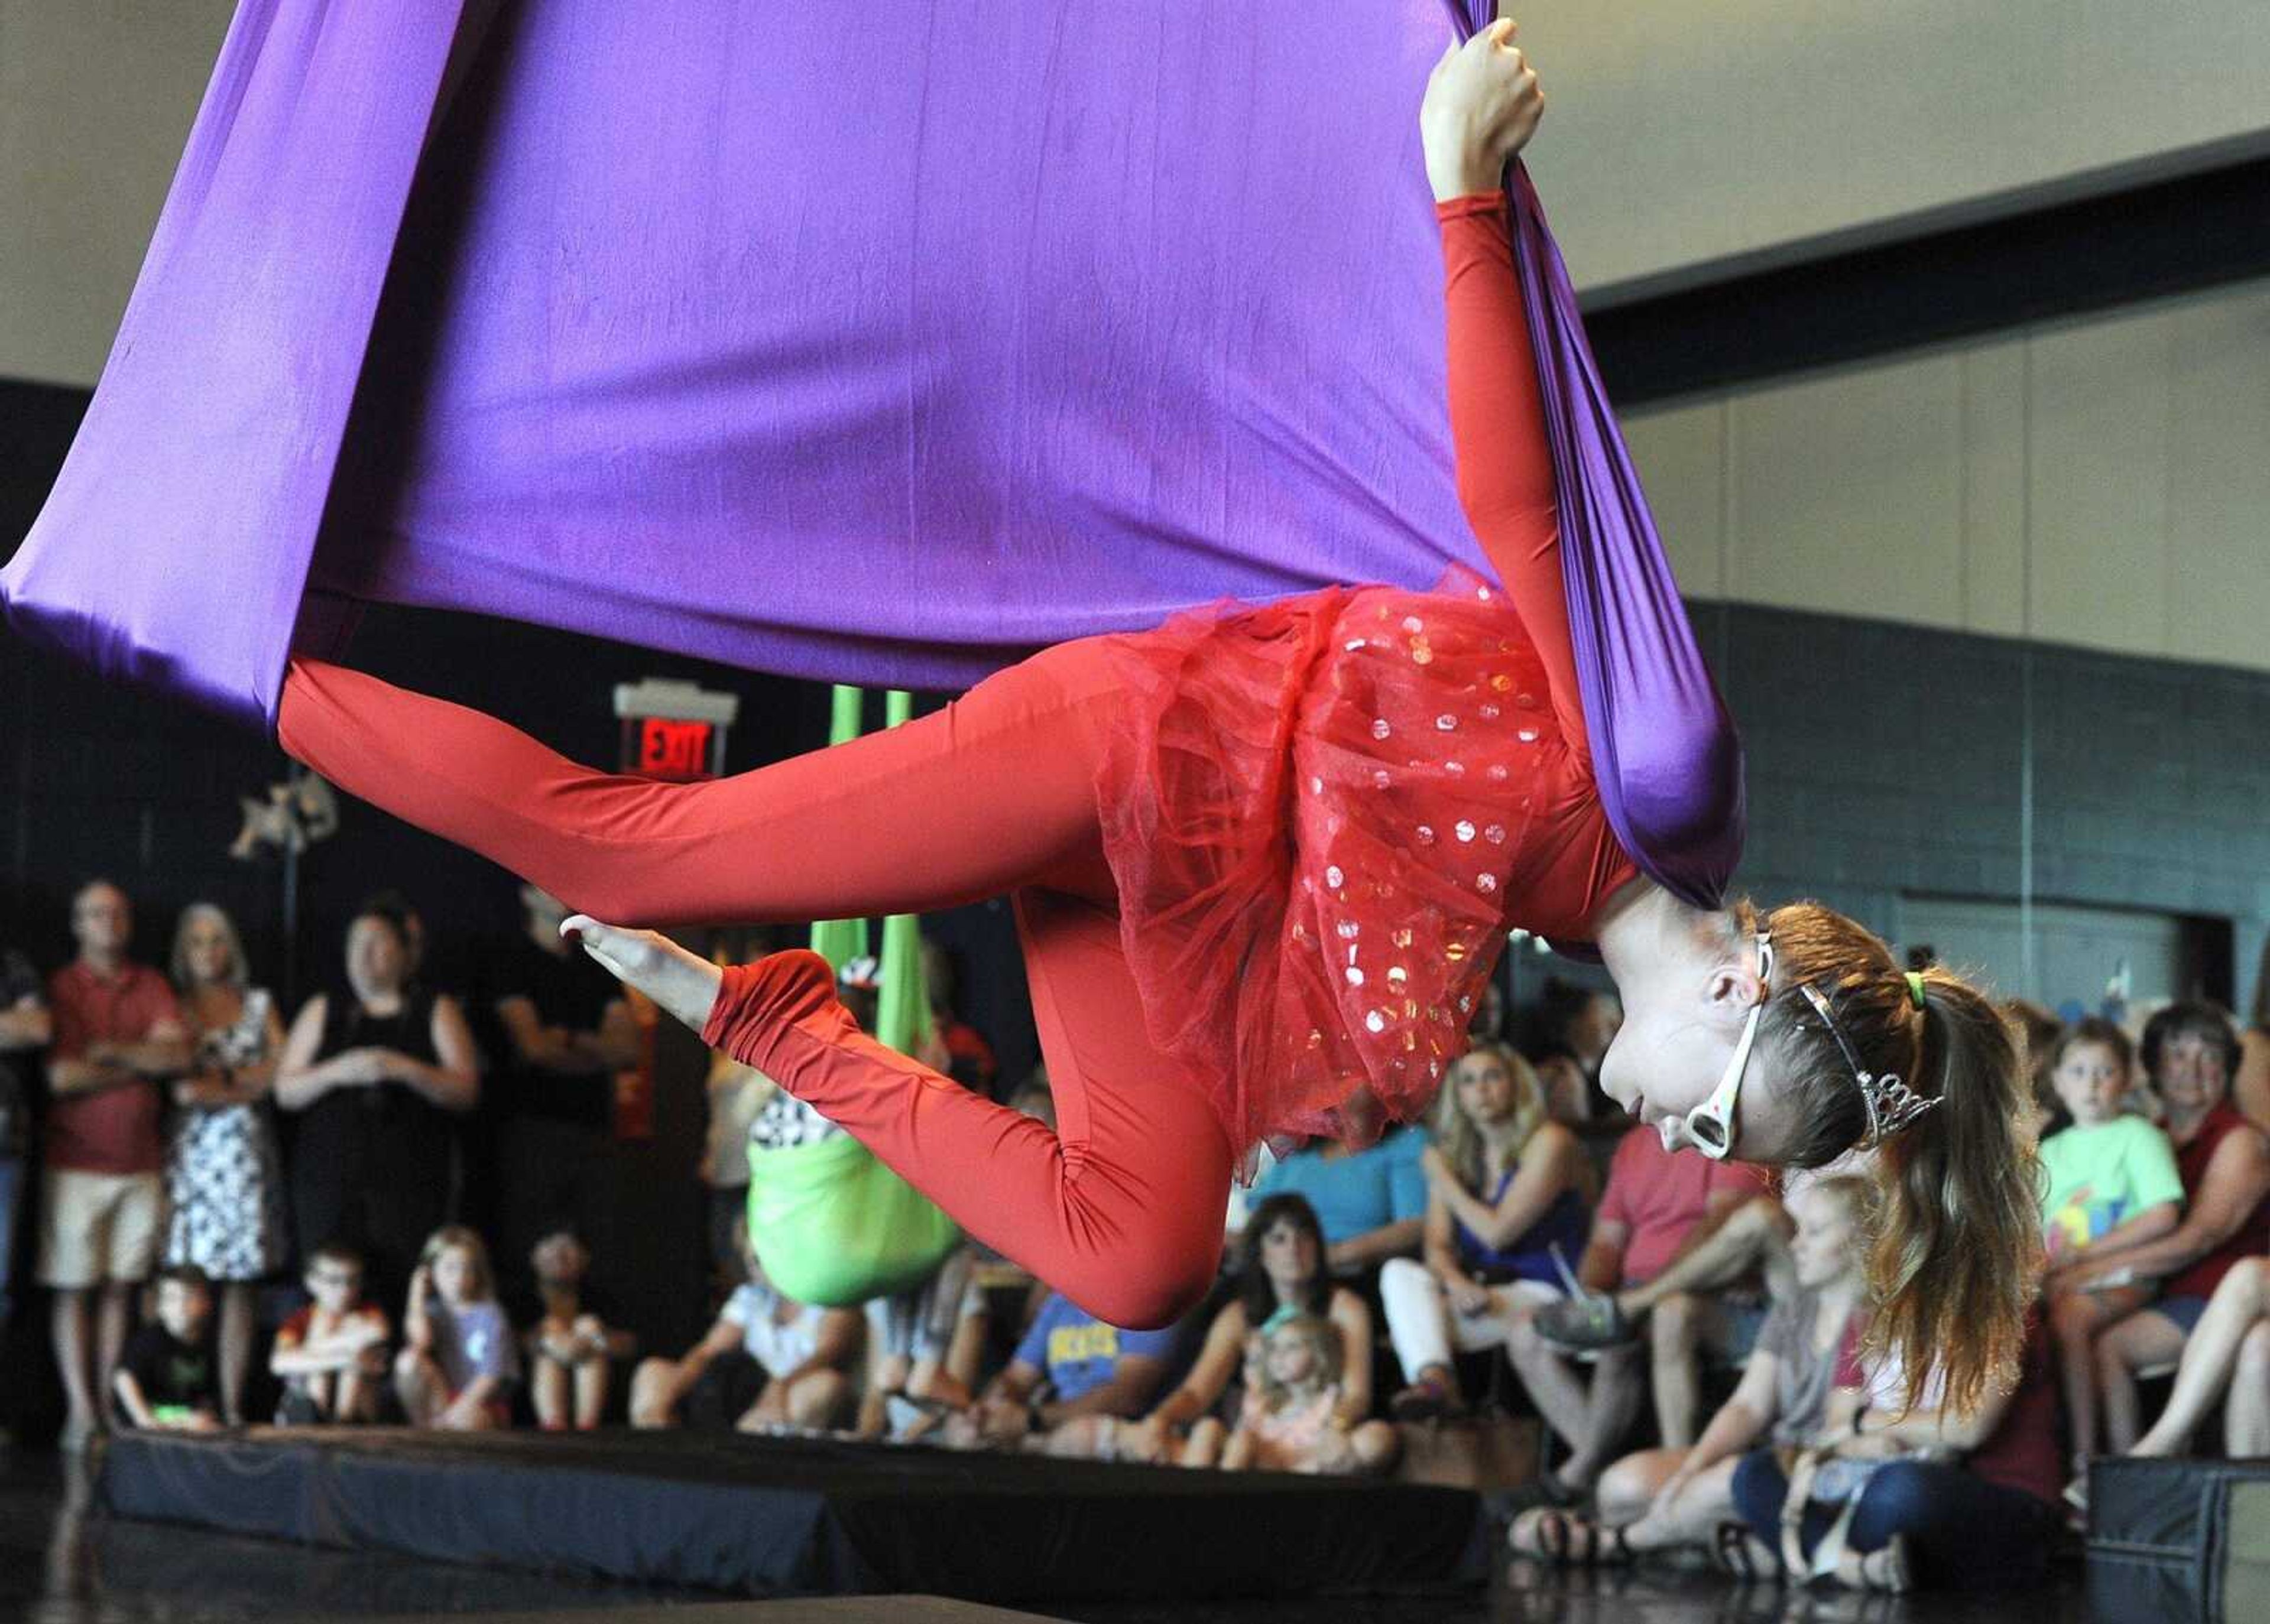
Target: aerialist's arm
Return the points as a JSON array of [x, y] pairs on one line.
[[1480, 110]]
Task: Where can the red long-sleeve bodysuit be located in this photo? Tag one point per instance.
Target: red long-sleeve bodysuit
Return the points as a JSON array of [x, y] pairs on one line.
[[1249, 854]]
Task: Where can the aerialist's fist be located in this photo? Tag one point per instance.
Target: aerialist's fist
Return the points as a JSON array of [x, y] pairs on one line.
[[1483, 105], [681, 983]]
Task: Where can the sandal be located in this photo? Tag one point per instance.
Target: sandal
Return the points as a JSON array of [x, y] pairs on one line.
[[1888, 1568], [1552, 1540], [1740, 1555], [1426, 1399]]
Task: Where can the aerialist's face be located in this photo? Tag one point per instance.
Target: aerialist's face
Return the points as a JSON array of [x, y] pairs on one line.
[[1679, 1033]]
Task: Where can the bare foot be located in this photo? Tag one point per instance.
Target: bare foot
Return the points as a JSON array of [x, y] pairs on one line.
[[682, 983]]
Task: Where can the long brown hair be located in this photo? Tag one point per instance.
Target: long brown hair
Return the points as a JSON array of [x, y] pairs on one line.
[[1956, 1256], [1460, 1140]]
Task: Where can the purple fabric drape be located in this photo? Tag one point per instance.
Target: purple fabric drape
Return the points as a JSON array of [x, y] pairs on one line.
[[879, 353]]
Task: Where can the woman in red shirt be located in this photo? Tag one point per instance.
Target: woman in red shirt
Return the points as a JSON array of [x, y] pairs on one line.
[[1263, 857]]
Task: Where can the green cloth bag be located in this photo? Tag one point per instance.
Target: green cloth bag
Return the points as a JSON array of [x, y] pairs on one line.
[[831, 1224], [834, 1226]]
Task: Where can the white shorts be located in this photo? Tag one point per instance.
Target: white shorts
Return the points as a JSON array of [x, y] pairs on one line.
[[98, 1226]]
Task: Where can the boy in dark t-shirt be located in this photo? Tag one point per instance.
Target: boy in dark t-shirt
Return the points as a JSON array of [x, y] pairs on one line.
[[167, 1378]]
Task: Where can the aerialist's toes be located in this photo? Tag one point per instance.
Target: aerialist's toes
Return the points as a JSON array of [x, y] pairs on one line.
[[678, 981]]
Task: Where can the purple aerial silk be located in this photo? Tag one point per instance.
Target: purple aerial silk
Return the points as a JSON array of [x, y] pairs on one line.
[[881, 352]]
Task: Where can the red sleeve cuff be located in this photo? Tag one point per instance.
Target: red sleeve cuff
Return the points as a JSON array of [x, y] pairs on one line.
[[1474, 203]]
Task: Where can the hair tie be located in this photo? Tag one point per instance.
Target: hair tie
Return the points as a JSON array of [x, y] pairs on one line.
[[1915, 988]]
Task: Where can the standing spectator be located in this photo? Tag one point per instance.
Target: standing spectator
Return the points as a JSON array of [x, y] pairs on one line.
[[1372, 1202], [2224, 1163], [1657, 1207], [459, 1364], [567, 1030], [378, 1074], [2111, 1184], [25, 1026], [117, 1029], [1505, 1188], [223, 1177], [166, 1380]]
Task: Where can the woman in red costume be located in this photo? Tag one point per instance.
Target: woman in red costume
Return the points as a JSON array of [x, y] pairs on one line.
[[1262, 859]]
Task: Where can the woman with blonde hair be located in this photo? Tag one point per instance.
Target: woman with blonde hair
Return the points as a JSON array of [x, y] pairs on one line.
[[224, 1180], [1505, 1187]]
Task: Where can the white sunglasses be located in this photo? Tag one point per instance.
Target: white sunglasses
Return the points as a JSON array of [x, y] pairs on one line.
[[1710, 1126]]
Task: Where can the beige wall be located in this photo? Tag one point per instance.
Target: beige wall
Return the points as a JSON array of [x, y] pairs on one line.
[[2102, 483], [1684, 134], [96, 100]]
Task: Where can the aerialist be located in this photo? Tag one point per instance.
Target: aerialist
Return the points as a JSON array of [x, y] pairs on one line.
[[1263, 857]]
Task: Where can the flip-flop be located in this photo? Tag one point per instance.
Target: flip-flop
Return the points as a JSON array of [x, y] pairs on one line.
[[1736, 1552]]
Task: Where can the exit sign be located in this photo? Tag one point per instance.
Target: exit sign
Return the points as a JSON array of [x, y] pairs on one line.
[[670, 749]]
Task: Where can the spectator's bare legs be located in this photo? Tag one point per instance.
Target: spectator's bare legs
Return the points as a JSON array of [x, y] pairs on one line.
[[110, 1331], [68, 1322], [2235, 1319], [350, 1396], [418, 1383], [656, 1387], [590, 1392], [1591, 1419], [1203, 1449], [2246, 1412], [234, 1335], [2076, 1317], [1754, 1236], [1628, 1500], [548, 1394], [2141, 1340], [813, 1403]]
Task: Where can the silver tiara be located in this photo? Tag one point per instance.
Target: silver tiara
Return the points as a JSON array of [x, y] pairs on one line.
[[1890, 1103]]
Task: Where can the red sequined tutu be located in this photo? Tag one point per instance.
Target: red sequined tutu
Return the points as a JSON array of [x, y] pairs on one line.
[[1313, 809]]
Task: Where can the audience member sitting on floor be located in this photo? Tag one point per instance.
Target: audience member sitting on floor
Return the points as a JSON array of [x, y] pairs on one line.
[[224, 1179], [1370, 1202], [1071, 1384], [1657, 1208], [1294, 1417], [1281, 1272], [2110, 1184], [167, 1378], [331, 1356], [769, 1365], [929, 1343], [2224, 1162], [1916, 1515], [1503, 1192], [569, 1347], [1663, 1498], [2228, 1359], [458, 1364]]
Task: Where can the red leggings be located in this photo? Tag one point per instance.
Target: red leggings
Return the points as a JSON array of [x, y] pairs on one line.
[[1121, 1208]]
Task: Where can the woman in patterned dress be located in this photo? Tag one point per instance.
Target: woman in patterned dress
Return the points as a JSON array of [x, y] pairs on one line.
[[224, 1180]]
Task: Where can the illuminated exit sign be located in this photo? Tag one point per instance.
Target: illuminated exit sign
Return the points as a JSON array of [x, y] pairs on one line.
[[674, 729]]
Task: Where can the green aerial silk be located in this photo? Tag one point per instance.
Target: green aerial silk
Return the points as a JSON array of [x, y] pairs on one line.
[[830, 1223]]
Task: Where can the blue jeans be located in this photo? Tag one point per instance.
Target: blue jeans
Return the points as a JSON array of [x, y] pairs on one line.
[[11, 1203], [1964, 1533]]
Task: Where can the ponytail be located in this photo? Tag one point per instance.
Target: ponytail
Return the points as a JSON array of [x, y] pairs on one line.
[[1955, 1250]]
